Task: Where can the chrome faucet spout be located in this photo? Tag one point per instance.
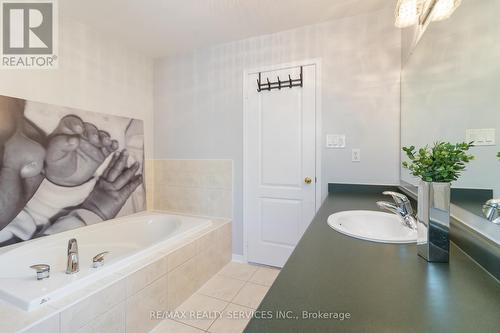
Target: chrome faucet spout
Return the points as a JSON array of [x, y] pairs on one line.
[[402, 208], [73, 264], [401, 201]]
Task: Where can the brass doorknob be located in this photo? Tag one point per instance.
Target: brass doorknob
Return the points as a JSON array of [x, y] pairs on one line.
[[308, 180]]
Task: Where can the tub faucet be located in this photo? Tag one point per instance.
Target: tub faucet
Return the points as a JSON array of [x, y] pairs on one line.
[[491, 210], [73, 265], [402, 208]]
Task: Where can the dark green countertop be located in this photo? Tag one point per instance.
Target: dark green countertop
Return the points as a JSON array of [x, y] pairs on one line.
[[385, 288]]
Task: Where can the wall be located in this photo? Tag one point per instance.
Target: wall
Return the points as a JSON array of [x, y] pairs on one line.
[[95, 74], [199, 103]]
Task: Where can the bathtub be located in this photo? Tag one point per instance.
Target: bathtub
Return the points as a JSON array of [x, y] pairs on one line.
[[128, 240]]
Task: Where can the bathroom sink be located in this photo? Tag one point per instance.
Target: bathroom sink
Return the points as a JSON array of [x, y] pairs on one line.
[[372, 226]]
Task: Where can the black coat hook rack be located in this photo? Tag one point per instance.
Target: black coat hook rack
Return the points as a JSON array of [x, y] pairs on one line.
[[290, 83]]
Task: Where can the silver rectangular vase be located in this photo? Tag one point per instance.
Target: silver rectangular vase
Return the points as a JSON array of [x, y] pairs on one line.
[[433, 241]]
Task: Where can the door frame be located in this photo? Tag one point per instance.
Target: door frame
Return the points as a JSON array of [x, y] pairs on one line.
[[318, 115]]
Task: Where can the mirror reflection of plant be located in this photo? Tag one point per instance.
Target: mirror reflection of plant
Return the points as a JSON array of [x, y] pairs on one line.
[[498, 154], [442, 163]]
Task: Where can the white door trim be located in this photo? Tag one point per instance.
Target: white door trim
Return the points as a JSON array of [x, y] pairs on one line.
[[246, 73]]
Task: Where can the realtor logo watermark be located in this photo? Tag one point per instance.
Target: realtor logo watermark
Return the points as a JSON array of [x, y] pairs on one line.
[[29, 34]]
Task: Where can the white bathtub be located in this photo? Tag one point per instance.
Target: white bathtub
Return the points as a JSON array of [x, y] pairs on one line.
[[128, 239]]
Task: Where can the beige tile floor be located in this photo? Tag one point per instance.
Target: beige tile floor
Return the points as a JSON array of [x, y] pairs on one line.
[[225, 303]]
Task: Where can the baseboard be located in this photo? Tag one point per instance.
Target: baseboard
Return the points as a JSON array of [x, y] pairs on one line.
[[239, 258]]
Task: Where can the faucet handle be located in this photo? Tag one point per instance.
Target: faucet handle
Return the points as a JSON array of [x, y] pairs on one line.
[[401, 200], [398, 197], [98, 259], [42, 271], [495, 203], [491, 210]]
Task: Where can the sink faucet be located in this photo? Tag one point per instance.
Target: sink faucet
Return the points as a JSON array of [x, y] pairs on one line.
[[73, 265], [492, 210], [402, 208]]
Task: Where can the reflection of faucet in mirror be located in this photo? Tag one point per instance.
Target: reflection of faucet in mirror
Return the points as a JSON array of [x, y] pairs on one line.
[[491, 210]]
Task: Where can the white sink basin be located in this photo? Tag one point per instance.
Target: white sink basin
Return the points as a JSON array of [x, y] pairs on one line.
[[372, 226]]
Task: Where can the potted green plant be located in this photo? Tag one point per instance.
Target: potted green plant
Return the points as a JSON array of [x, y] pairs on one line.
[[437, 167]]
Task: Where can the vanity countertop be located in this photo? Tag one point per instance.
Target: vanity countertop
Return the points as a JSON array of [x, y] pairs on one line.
[[384, 287]]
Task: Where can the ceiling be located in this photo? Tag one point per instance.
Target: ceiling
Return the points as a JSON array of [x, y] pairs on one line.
[[159, 28]]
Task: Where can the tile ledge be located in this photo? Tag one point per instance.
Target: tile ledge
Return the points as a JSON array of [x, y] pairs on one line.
[[213, 218]]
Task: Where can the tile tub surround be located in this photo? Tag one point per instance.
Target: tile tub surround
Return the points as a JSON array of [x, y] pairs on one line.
[[149, 182], [200, 187], [122, 302]]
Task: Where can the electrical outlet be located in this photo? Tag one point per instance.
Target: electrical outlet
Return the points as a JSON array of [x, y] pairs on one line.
[[481, 136], [356, 155]]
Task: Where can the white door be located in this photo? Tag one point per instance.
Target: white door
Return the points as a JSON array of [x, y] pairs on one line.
[[280, 165]]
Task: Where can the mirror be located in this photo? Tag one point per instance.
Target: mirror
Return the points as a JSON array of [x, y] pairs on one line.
[[450, 91]]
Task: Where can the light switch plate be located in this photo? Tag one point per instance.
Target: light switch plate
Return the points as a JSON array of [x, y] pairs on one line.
[[356, 155], [481, 136], [335, 141]]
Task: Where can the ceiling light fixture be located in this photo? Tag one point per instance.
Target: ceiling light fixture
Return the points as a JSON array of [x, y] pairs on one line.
[[443, 9], [412, 12], [407, 13]]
